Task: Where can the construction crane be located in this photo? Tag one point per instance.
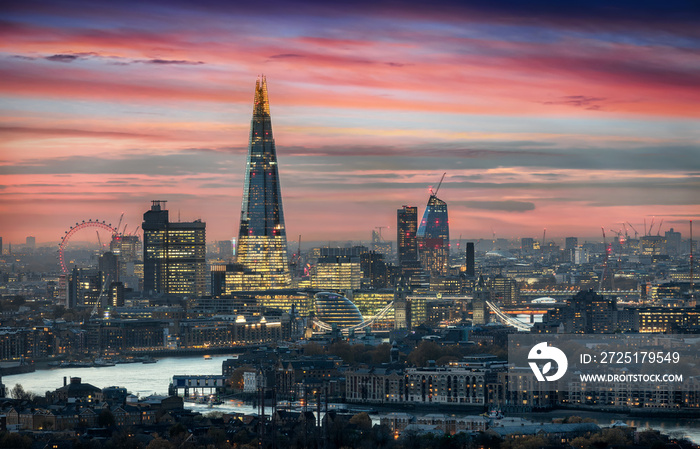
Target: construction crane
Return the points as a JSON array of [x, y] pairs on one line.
[[658, 232], [380, 231], [651, 226], [627, 235], [120, 223], [544, 233], [636, 234], [99, 242], [619, 235], [438, 186]]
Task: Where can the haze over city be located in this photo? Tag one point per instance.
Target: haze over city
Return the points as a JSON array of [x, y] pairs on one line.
[[554, 116]]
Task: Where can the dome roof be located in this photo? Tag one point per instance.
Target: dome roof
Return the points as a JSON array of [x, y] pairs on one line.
[[332, 308]]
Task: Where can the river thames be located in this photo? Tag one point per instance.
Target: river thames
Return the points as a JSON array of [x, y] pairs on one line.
[[153, 378]]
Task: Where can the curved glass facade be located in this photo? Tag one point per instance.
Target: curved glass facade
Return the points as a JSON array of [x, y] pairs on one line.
[[332, 308]]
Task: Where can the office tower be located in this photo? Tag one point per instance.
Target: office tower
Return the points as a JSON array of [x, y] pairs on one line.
[[504, 290], [673, 242], [480, 311], [527, 245], [262, 238], [225, 249], [108, 264], [406, 229], [31, 242], [570, 247], [434, 237], [127, 249], [471, 269], [85, 288], [173, 254], [374, 270], [337, 273]]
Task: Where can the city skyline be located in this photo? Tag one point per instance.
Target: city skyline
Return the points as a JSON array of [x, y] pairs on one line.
[[557, 116]]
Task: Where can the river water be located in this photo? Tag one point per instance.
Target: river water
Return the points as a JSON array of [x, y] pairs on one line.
[[145, 379]]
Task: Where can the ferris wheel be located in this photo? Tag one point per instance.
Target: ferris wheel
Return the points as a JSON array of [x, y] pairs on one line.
[[80, 226]]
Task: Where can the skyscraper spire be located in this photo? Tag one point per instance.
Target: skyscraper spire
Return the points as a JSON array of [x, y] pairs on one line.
[[262, 241]]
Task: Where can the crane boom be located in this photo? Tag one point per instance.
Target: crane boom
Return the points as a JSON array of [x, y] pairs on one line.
[[658, 232], [439, 184], [120, 222], [636, 234]]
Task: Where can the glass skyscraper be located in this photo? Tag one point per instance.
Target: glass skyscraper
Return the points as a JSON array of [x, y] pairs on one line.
[[262, 239], [406, 228], [434, 237]]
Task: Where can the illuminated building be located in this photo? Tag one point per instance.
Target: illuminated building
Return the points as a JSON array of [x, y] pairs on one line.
[[504, 290], [480, 312], [108, 264], [262, 239], [84, 287], [173, 254], [652, 245], [667, 320], [337, 273], [371, 302], [434, 237], [334, 309], [406, 229]]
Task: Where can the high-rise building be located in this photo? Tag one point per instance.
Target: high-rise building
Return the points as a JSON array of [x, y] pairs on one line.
[[262, 238], [470, 265], [30, 242], [406, 229], [570, 248], [673, 242], [434, 237], [127, 248], [174, 254]]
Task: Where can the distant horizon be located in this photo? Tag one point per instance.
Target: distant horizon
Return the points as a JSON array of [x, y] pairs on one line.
[[546, 115]]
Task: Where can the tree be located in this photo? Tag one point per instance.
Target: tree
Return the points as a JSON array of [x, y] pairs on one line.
[[18, 392], [362, 421], [105, 418]]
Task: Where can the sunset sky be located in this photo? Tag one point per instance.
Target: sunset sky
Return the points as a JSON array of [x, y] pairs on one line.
[[549, 116]]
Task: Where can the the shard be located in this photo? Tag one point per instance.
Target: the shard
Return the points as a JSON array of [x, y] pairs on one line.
[[262, 240]]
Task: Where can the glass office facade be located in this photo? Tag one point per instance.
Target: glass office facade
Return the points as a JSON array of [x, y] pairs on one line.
[[262, 239]]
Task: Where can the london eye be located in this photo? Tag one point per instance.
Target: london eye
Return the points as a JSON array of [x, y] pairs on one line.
[[78, 227]]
